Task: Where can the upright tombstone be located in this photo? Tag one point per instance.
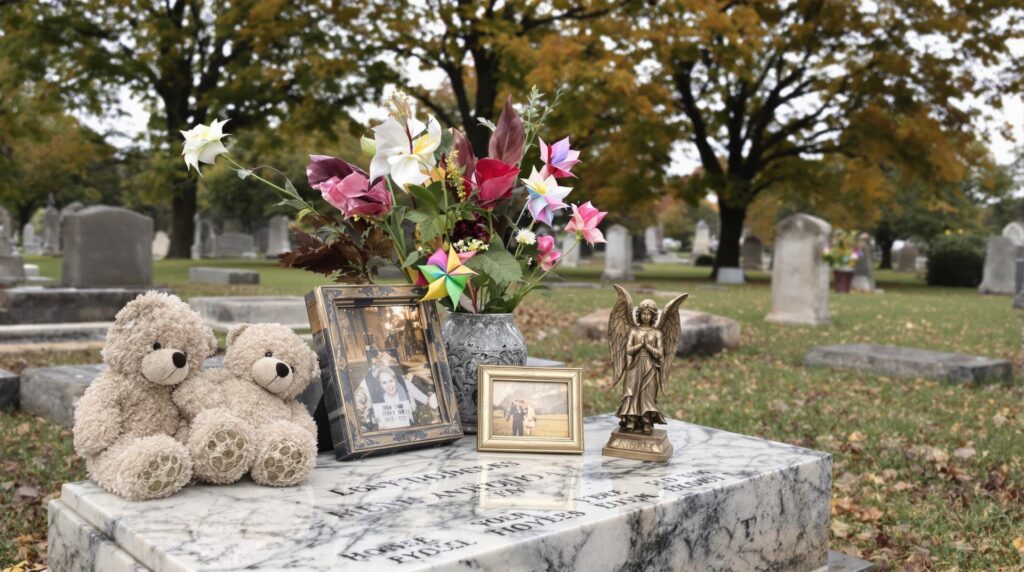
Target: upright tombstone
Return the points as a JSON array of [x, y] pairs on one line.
[[799, 275], [6, 226], [701, 240], [108, 247], [863, 271], [906, 258], [1000, 274], [277, 236], [51, 231], [1015, 232], [161, 245], [651, 244], [12, 268], [618, 254], [236, 245], [29, 240], [753, 253], [196, 252], [570, 256], [660, 238]]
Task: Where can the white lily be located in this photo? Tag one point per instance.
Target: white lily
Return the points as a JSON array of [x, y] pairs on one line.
[[405, 151], [203, 144]]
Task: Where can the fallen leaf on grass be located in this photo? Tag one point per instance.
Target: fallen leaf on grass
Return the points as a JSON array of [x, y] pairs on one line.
[[26, 494], [1018, 543], [964, 453], [998, 420], [22, 429], [840, 529]]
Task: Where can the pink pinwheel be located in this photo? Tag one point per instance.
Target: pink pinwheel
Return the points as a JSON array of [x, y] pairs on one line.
[[558, 159], [494, 180], [584, 221], [347, 188], [546, 253], [546, 196], [446, 275]]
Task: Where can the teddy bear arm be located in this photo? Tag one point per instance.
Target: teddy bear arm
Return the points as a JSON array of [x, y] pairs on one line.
[[198, 394], [302, 418], [97, 422]]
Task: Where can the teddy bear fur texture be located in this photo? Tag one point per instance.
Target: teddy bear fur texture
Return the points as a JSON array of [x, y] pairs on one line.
[[125, 422], [244, 418]]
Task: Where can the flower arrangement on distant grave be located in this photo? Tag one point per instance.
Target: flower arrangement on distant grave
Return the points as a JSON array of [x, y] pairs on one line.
[[476, 239], [842, 251]]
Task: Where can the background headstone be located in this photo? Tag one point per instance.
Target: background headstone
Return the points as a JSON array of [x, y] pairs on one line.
[[7, 232], [1000, 267], [701, 240], [800, 278], [660, 238], [161, 244], [618, 254], [196, 252], [29, 241], [753, 253], [12, 267], [863, 271], [651, 243], [1015, 232], [277, 236], [108, 246], [236, 245], [570, 259], [906, 258], [51, 231]]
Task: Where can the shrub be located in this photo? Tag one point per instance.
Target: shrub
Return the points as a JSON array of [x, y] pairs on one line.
[[705, 260], [956, 260]]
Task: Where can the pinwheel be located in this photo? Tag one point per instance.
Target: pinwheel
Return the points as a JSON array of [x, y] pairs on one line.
[[446, 275]]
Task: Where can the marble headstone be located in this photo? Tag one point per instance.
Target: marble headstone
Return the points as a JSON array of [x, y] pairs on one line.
[[108, 246], [906, 257], [570, 258], [51, 231], [29, 241], [277, 236], [236, 245], [753, 253], [863, 271], [1015, 232], [800, 278], [722, 502], [651, 244], [618, 254], [196, 250], [12, 267], [1000, 273], [161, 244], [701, 240]]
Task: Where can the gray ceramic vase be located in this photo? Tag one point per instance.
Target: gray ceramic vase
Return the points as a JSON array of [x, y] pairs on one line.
[[475, 339]]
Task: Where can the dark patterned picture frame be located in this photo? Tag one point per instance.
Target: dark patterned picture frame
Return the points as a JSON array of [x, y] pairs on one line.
[[348, 434]]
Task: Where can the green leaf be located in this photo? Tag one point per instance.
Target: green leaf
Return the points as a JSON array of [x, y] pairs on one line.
[[296, 204], [432, 228], [426, 197], [496, 265], [413, 258], [419, 216], [291, 188]]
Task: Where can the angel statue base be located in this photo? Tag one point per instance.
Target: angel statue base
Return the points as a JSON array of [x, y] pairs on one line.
[[642, 341]]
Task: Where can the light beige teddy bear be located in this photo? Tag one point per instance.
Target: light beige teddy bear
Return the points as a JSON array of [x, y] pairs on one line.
[[244, 417], [125, 421]]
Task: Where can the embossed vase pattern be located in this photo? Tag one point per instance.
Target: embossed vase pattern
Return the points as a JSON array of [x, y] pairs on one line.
[[475, 339]]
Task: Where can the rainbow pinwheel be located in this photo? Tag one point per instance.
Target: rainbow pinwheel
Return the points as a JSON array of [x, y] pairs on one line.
[[446, 275]]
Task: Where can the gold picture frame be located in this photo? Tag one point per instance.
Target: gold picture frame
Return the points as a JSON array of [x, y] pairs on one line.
[[509, 397]]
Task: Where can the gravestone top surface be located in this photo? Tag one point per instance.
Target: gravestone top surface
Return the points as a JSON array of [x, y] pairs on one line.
[[723, 502]]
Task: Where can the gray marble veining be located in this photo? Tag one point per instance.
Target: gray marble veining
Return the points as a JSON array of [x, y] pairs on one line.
[[724, 502]]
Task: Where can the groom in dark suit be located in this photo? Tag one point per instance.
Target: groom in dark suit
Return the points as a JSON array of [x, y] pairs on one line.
[[518, 413]]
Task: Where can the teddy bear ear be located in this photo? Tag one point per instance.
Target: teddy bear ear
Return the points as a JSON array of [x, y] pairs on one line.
[[234, 332]]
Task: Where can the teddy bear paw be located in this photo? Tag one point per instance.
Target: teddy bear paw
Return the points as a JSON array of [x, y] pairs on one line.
[[284, 464], [223, 456], [161, 476]]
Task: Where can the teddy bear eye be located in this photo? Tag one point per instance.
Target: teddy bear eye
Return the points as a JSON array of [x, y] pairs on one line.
[[156, 346], [269, 354]]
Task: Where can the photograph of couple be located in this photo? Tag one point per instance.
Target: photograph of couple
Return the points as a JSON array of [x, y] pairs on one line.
[[530, 409], [388, 363]]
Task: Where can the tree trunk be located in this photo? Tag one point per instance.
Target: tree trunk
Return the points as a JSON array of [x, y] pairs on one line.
[[183, 208], [886, 248], [730, 229], [485, 65]]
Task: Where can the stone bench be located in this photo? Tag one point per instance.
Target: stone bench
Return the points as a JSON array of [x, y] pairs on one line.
[[911, 362], [702, 333], [214, 275]]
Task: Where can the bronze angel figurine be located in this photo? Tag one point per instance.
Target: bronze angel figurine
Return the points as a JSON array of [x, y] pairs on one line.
[[643, 342]]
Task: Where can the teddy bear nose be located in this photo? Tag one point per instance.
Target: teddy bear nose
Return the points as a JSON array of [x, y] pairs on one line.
[[179, 359], [282, 370]]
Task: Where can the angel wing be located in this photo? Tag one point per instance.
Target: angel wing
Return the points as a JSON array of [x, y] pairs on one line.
[[668, 324], [620, 323]]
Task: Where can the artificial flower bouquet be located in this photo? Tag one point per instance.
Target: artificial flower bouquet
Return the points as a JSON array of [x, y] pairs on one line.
[[474, 230], [842, 252]]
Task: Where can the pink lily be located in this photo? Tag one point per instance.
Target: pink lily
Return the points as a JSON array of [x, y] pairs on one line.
[[547, 256], [558, 159], [584, 221]]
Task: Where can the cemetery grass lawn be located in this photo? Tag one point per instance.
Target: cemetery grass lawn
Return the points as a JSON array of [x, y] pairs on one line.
[[926, 476]]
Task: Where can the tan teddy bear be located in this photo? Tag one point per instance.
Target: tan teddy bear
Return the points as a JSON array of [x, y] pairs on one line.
[[266, 366], [125, 421]]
